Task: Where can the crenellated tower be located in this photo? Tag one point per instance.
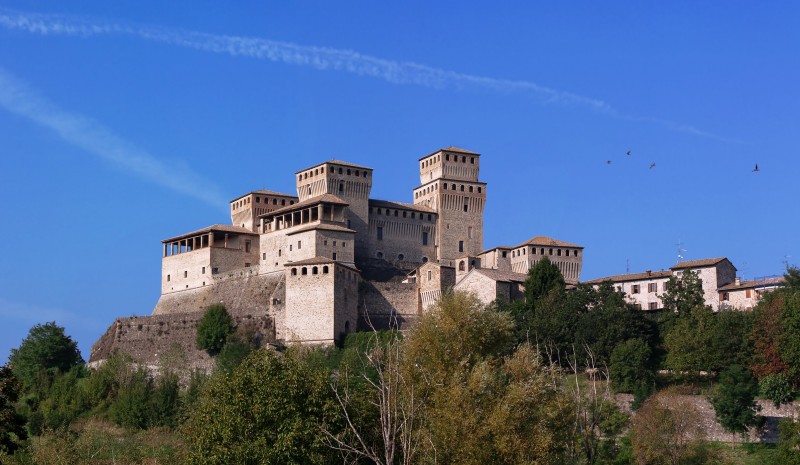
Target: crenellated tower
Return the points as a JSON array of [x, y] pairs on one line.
[[352, 183], [450, 185]]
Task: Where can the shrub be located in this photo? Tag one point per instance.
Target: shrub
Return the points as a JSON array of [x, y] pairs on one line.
[[213, 329], [777, 388]]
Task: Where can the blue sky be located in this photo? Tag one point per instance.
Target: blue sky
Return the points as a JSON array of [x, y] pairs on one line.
[[121, 125]]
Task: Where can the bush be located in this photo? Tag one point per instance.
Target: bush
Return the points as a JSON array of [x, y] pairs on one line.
[[213, 329], [777, 388], [46, 348], [734, 402], [629, 370]]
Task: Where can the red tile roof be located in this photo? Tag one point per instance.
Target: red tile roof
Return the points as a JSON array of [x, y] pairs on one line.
[[700, 263], [400, 205], [324, 198], [548, 242], [632, 277], [755, 283], [214, 227], [452, 149]]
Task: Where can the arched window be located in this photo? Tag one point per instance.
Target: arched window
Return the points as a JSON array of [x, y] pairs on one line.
[[461, 265], [424, 259], [340, 170], [304, 271], [379, 255], [314, 270], [325, 269], [294, 271], [341, 187], [348, 171]]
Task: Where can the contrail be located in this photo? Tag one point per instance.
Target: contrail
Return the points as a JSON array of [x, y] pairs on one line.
[[323, 58], [92, 137]]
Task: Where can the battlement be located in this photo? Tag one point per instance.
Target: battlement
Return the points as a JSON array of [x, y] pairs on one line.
[[449, 163]]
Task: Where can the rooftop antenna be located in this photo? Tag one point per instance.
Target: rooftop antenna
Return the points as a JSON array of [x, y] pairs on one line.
[[786, 261], [744, 271], [627, 266], [681, 251]]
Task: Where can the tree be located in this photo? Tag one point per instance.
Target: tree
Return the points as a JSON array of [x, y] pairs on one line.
[[730, 340], [630, 368], [12, 424], [46, 349], [543, 277], [666, 430], [213, 329], [788, 343], [689, 339], [271, 409], [777, 388], [767, 332], [734, 402], [684, 293]]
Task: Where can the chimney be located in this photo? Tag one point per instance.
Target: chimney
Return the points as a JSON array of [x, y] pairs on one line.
[[648, 272], [738, 281]]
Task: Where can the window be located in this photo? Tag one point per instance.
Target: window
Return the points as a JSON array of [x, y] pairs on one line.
[[258, 199], [462, 188], [635, 289], [294, 271], [558, 252], [424, 259], [470, 188], [290, 247], [465, 207], [541, 251], [247, 265], [479, 190], [379, 255], [279, 252], [341, 187], [168, 278], [725, 296], [566, 252], [334, 256], [430, 275], [325, 269], [334, 243], [214, 270], [404, 213], [652, 306], [472, 160], [315, 270], [637, 306], [664, 286], [461, 265], [551, 251], [425, 238], [185, 274], [304, 271], [460, 246], [747, 293], [380, 233], [401, 257], [247, 245], [444, 187], [325, 242], [505, 254], [299, 245], [275, 201], [469, 232], [348, 171], [652, 287], [204, 270]]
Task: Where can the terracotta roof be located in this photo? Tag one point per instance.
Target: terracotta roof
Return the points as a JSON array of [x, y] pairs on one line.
[[213, 227], [548, 241], [504, 247], [327, 198], [632, 277], [324, 226], [505, 276], [335, 162], [752, 284], [265, 192], [451, 149], [319, 261], [400, 205], [699, 263]]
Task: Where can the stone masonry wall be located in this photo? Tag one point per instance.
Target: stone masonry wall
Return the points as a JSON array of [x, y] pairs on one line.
[[387, 304], [152, 339], [242, 292]]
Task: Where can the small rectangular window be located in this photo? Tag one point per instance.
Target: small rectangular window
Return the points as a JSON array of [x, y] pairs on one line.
[[424, 238], [204, 270], [185, 274], [247, 245], [247, 265], [334, 255], [380, 233], [652, 287], [460, 246], [279, 252], [168, 278], [653, 306], [747, 293], [635, 289], [299, 245]]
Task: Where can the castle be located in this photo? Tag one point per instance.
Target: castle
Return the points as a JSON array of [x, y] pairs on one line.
[[312, 267]]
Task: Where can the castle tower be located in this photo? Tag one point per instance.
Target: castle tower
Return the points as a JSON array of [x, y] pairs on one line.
[[352, 183], [449, 185]]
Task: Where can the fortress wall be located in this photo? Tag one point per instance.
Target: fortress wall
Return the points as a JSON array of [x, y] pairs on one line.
[[152, 340], [381, 303], [339, 242], [401, 236], [242, 291], [187, 270]]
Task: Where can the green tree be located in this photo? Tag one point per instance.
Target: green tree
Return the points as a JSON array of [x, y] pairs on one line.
[[233, 352], [213, 329], [734, 402], [730, 340], [606, 326], [767, 332], [684, 293], [630, 369], [789, 343], [46, 349], [789, 445], [689, 339], [270, 410], [12, 424], [777, 388], [543, 277], [65, 400]]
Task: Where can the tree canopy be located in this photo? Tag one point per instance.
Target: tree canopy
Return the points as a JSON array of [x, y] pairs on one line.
[[46, 348], [213, 329]]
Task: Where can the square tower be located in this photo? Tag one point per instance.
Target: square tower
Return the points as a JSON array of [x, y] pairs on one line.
[[451, 187], [350, 182]]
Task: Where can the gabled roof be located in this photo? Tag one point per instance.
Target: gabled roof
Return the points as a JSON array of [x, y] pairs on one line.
[[400, 205], [700, 263], [215, 228], [548, 242], [451, 149], [660, 274], [265, 192], [325, 198], [323, 226], [755, 283], [335, 162], [318, 260], [499, 247]]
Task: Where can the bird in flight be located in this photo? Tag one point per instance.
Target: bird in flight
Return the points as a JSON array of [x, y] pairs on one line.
[[628, 153], [756, 170], [608, 162], [652, 165]]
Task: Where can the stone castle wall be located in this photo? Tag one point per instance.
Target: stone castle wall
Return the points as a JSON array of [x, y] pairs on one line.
[[151, 340]]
